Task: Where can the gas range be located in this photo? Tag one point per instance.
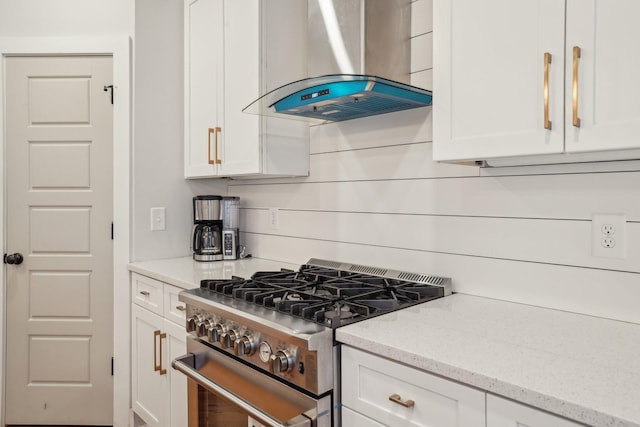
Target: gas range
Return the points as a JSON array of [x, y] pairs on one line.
[[283, 322]]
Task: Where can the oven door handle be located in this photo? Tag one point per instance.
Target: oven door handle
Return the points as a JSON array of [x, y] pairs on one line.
[[186, 365]]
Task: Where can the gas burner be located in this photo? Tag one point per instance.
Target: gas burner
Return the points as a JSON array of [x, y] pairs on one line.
[[340, 311], [328, 296]]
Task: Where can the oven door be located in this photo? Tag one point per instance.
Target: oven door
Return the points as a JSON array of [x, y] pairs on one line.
[[225, 392]]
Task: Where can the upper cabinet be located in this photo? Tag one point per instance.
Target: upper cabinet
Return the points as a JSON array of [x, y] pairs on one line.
[[235, 50], [536, 80]]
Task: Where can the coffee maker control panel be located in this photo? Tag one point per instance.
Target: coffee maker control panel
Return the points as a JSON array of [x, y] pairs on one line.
[[230, 243]]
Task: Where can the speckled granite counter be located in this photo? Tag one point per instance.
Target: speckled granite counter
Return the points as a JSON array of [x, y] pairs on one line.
[[187, 273], [580, 367]]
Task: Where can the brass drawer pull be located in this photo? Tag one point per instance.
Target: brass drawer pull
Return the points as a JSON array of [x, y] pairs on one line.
[[211, 131], [395, 398], [576, 57], [218, 132], [180, 307], [547, 61], [158, 366], [145, 293]]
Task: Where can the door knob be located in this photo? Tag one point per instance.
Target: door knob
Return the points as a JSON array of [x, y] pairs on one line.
[[16, 258]]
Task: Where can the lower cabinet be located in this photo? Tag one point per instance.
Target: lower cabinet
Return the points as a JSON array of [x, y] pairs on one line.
[[378, 392], [159, 393], [387, 393], [507, 413]]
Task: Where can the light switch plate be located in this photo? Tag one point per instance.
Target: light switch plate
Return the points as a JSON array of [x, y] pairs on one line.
[[158, 219]]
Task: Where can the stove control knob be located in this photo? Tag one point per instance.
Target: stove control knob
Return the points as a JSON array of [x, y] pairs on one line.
[[214, 332], [281, 362], [203, 327], [245, 346], [193, 322], [227, 338]]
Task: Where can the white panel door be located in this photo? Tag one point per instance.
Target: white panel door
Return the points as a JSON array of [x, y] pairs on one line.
[[489, 78], [241, 152], [204, 87], [59, 216], [150, 382], [608, 87]]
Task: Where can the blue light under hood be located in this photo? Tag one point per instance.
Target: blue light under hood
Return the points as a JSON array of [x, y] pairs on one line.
[[339, 97]]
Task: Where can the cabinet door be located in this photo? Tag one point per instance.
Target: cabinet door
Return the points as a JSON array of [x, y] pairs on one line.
[[608, 87], [241, 152], [394, 394], [177, 342], [204, 86], [149, 388], [506, 413], [489, 78]]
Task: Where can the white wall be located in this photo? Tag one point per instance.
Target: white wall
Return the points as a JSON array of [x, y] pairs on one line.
[[158, 134], [19, 18], [375, 197]]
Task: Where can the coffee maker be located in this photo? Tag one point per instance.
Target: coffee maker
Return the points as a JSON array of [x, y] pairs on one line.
[[229, 214], [206, 236]]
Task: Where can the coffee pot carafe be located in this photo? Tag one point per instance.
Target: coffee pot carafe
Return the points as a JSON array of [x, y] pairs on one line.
[[206, 236]]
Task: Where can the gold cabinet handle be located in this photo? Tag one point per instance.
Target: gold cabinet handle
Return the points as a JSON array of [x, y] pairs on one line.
[[211, 131], [180, 307], [157, 366], [162, 337], [218, 131], [145, 293], [576, 57], [547, 61], [395, 398]]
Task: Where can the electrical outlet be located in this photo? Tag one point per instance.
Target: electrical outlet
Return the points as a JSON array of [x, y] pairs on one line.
[[274, 218], [158, 216], [608, 229], [608, 236]]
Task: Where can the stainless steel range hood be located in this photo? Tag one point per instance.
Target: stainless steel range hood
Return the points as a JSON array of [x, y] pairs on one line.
[[359, 59]]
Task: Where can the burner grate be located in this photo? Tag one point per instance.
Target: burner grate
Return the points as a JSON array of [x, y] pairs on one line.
[[333, 293]]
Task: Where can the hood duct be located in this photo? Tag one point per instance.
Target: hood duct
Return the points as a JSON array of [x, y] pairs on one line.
[[359, 60]]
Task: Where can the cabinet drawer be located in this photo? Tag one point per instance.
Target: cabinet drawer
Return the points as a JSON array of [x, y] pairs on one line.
[[352, 418], [174, 310], [506, 413], [147, 292], [369, 381]]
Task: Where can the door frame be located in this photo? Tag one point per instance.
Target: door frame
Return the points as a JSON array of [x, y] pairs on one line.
[[120, 48]]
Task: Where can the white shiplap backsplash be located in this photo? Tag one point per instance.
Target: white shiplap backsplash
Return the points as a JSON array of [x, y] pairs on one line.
[[375, 197]]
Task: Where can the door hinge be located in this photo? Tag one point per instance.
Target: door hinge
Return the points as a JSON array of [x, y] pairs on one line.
[[111, 230], [107, 88], [112, 366]]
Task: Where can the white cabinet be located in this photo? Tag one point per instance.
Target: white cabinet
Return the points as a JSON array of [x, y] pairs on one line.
[[507, 83], [159, 393], [506, 413], [235, 51], [393, 394]]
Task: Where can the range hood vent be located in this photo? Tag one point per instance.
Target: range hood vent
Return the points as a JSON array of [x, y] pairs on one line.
[[359, 61], [338, 97]]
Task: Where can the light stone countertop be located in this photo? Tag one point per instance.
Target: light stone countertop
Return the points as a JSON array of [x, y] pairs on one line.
[[187, 273], [580, 367]]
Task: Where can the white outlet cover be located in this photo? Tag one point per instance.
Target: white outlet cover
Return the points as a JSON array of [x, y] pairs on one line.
[[619, 237], [274, 218]]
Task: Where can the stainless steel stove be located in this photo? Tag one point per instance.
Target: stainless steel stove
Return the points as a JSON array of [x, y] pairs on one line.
[[274, 334]]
